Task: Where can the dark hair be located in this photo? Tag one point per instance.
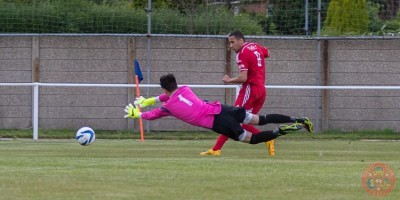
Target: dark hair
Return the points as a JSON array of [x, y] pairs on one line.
[[237, 35], [168, 82]]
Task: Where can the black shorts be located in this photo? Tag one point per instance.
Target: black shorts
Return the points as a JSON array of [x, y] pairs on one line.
[[228, 122]]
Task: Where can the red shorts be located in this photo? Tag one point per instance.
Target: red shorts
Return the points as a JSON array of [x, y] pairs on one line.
[[251, 97]]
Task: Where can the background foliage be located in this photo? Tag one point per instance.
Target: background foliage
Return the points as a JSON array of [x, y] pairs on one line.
[[204, 17]]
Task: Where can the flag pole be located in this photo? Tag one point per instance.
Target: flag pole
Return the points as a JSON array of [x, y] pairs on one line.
[[140, 119]]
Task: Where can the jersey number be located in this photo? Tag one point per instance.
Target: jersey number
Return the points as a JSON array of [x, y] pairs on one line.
[[184, 100], [258, 58]]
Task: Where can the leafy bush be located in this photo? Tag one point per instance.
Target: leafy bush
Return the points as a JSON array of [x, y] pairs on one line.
[[346, 17], [390, 28], [374, 24], [288, 16], [84, 16], [378, 26]]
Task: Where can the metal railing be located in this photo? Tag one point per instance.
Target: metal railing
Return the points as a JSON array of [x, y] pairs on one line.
[[37, 85]]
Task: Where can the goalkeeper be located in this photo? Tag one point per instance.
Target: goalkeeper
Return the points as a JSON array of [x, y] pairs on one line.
[[184, 104]]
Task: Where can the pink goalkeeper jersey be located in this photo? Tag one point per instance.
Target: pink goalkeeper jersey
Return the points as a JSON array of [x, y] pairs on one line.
[[186, 106]]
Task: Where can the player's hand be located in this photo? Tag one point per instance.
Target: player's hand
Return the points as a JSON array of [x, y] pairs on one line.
[[132, 112], [226, 78], [138, 100], [143, 102]]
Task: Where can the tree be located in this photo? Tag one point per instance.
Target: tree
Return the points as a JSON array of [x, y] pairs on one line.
[[347, 17], [140, 4], [289, 15], [388, 8]]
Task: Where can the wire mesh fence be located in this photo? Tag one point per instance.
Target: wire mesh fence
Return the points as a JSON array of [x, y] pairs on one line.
[[203, 17]]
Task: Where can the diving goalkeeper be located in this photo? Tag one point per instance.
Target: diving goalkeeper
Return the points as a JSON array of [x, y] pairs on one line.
[[184, 104]]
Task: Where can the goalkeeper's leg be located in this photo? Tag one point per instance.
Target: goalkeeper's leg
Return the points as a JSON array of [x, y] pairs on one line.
[[279, 118]]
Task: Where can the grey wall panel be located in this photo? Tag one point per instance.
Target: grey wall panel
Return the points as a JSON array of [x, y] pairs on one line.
[[15, 123], [364, 63], [82, 90], [300, 112], [181, 43], [83, 100], [365, 102], [15, 53], [109, 65], [365, 44], [370, 114], [275, 44], [15, 100], [15, 42], [371, 55], [383, 79], [348, 126], [15, 65], [365, 93], [293, 55], [286, 66], [364, 67], [290, 102], [16, 112], [82, 112], [83, 77], [84, 42], [290, 92], [10, 90], [291, 79], [75, 124], [105, 59], [15, 76], [183, 54], [189, 78], [202, 66], [102, 54]]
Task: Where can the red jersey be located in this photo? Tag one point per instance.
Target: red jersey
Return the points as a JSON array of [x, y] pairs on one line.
[[251, 58]]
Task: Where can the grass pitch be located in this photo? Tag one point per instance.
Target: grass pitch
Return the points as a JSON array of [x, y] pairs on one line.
[[173, 169]]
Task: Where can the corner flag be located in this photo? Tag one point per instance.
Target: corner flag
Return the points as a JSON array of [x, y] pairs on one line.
[[138, 71], [138, 79]]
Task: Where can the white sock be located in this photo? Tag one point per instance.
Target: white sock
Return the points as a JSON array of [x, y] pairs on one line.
[[242, 136], [248, 118]]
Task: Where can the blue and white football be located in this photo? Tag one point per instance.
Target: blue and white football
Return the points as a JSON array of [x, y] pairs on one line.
[[85, 136]]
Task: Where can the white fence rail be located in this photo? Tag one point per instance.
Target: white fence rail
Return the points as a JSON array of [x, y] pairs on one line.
[[36, 86]]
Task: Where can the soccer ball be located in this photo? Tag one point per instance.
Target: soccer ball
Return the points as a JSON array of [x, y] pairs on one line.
[[85, 136]]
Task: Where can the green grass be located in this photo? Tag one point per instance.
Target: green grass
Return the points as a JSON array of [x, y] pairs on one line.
[[172, 169]]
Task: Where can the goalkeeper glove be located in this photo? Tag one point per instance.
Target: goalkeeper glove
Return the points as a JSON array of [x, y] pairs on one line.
[[143, 102], [132, 112]]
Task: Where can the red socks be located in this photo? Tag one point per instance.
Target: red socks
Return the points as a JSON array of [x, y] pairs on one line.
[[220, 142]]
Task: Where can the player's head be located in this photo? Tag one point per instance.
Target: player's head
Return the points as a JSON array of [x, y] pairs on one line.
[[168, 82], [236, 40]]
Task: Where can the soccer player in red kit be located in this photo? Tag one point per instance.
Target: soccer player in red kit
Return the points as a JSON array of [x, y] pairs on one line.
[[250, 60]]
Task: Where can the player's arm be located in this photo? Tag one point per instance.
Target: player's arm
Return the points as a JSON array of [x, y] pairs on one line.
[[242, 62], [265, 52], [145, 102], [239, 79], [155, 114], [134, 112]]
